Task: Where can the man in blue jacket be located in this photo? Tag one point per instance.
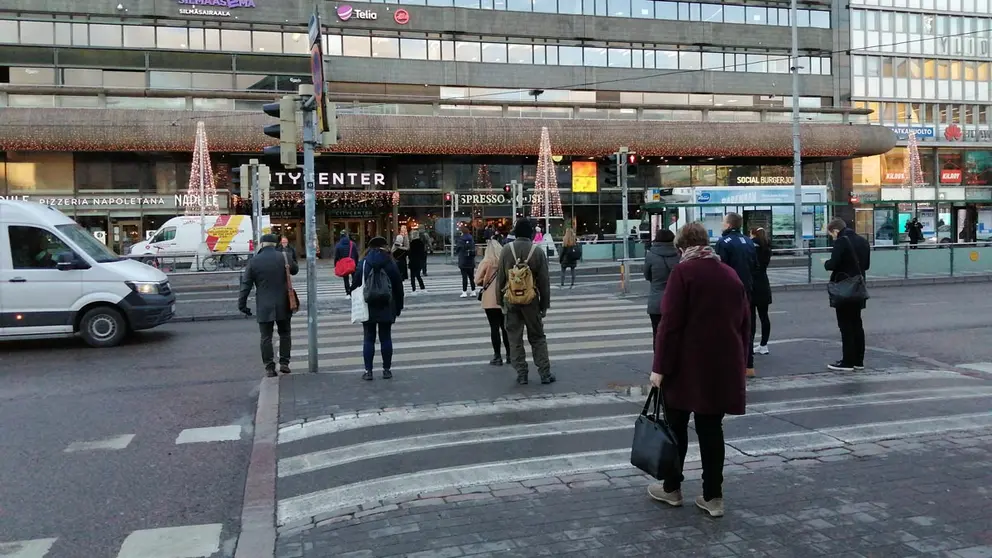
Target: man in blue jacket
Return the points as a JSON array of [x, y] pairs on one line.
[[737, 250]]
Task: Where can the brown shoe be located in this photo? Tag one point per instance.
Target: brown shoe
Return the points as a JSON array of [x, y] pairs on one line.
[[750, 373], [657, 492], [285, 369], [270, 373]]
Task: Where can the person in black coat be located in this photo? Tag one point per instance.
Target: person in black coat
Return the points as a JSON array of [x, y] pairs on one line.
[[465, 249], [285, 246], [418, 260], [851, 256], [381, 316], [737, 251], [761, 290], [266, 272]]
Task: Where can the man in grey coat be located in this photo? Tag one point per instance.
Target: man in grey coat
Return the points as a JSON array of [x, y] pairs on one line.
[[531, 315], [266, 272]]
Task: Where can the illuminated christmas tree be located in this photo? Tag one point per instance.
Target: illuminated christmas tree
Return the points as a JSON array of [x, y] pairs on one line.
[[482, 179], [914, 169], [547, 200], [201, 195]]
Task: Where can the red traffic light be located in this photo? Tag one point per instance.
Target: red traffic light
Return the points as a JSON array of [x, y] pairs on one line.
[[506, 188], [447, 197], [855, 199], [631, 159]]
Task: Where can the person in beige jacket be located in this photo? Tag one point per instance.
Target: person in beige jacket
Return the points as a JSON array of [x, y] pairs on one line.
[[485, 277]]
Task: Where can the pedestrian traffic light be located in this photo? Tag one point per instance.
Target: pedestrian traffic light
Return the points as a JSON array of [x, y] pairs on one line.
[[507, 188], [447, 197], [612, 170], [631, 165], [285, 131]]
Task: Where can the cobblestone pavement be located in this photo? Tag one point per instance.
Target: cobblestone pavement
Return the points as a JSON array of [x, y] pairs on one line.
[[922, 497]]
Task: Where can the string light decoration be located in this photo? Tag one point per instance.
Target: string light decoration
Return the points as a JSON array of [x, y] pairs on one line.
[[547, 199], [201, 194], [482, 179], [913, 170], [338, 199], [65, 129]]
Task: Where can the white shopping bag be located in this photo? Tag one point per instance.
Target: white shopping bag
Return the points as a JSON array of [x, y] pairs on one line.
[[359, 308]]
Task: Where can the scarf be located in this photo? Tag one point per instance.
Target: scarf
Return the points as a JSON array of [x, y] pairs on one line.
[[699, 253]]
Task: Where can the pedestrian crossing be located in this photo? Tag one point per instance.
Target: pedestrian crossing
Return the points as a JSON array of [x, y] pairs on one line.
[[187, 541], [456, 333], [441, 454]]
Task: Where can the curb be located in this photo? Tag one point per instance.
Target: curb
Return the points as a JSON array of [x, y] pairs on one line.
[[884, 283], [218, 318], [258, 529]]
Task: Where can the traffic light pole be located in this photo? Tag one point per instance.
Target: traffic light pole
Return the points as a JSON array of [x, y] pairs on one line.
[[310, 204], [622, 173], [513, 198]]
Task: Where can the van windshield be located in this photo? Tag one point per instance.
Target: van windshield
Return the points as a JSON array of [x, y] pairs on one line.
[[88, 243]]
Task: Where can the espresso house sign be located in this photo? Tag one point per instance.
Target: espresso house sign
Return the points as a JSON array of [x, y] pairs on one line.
[[491, 199]]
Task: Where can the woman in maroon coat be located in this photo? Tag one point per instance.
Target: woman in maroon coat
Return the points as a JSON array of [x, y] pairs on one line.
[[700, 354]]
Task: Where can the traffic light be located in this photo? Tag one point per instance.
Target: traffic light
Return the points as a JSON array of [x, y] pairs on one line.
[[507, 188], [853, 199], [447, 197], [264, 180], [631, 165], [285, 131], [612, 170], [242, 180]]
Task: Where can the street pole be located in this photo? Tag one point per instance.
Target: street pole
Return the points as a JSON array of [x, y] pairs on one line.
[[797, 161], [622, 172], [310, 202], [513, 197], [256, 202], [451, 226]]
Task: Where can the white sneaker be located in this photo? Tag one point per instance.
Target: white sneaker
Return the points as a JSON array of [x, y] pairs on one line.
[[474, 294], [464, 294], [762, 349]]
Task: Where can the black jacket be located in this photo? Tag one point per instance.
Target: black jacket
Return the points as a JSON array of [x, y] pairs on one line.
[[737, 251], [842, 263], [266, 272], [762, 290], [418, 253], [465, 249], [659, 262]]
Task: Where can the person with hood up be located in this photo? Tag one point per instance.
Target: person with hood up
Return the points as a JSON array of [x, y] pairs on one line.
[[418, 260], [659, 262], [737, 251], [465, 249], [346, 248], [379, 271]]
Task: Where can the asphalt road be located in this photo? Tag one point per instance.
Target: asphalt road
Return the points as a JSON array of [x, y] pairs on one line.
[[110, 501]]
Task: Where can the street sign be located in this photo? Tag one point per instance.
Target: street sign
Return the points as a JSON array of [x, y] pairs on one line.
[[317, 73]]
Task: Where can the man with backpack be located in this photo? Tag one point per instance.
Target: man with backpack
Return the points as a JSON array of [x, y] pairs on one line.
[[524, 284]]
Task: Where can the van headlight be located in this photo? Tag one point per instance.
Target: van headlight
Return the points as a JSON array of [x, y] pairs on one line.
[[143, 288]]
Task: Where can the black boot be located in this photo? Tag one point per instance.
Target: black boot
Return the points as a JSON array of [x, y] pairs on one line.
[[387, 374], [521, 378], [367, 376], [496, 361], [548, 379]]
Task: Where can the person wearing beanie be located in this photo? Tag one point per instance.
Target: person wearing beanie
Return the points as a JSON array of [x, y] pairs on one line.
[[382, 287], [266, 273], [516, 256]]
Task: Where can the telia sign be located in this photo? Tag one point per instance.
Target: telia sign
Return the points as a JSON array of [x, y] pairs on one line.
[[346, 12]]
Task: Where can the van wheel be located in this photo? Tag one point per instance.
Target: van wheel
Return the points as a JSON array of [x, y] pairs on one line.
[[103, 326]]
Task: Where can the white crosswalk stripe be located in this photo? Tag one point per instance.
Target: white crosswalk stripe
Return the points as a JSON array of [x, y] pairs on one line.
[[185, 541], [331, 465], [433, 334]]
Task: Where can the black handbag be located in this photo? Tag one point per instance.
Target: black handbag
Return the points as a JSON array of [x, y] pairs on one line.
[[851, 290], [655, 450]]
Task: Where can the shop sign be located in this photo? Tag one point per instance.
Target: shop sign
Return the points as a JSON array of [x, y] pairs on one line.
[[491, 199], [952, 176], [219, 8], [955, 133], [963, 46], [350, 179], [743, 180], [354, 213], [346, 12], [90, 201], [401, 16], [902, 132], [977, 194], [895, 177]]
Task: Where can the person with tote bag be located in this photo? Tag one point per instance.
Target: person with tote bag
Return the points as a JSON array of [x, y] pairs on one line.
[[700, 356], [381, 286]]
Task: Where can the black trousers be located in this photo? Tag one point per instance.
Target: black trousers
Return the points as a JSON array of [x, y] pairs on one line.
[[497, 330], [709, 430], [852, 334], [285, 343], [655, 320], [415, 278], [766, 324], [347, 283], [563, 268], [468, 277], [750, 346]]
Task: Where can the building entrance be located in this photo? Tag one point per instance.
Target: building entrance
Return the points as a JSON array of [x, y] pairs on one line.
[[292, 230]]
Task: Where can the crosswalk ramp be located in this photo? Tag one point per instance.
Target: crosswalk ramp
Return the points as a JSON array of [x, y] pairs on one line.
[[446, 453], [456, 333]]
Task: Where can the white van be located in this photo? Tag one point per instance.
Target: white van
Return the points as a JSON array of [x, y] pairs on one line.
[[56, 279], [180, 239]]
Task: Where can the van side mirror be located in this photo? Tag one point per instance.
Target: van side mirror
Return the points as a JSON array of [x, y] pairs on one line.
[[67, 261]]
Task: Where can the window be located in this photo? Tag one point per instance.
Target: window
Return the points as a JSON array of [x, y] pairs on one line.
[[819, 19], [79, 76], [494, 52], [32, 76], [215, 82], [295, 43], [103, 35], [413, 49], [620, 57], [712, 13], [37, 33], [356, 46], [690, 60], [164, 235], [666, 10], [34, 248], [594, 56], [756, 15], [87, 242], [172, 37], [468, 52], [234, 40], [569, 56], [139, 36], [383, 47], [733, 14], [519, 54], [266, 41], [123, 79], [8, 31]]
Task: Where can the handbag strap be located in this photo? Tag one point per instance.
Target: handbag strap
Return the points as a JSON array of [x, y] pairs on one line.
[[854, 254], [654, 396], [289, 276]]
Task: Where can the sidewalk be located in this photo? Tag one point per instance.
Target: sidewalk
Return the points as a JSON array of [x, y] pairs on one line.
[[926, 497]]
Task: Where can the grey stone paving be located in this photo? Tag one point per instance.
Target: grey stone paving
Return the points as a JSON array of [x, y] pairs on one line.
[[910, 498]]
